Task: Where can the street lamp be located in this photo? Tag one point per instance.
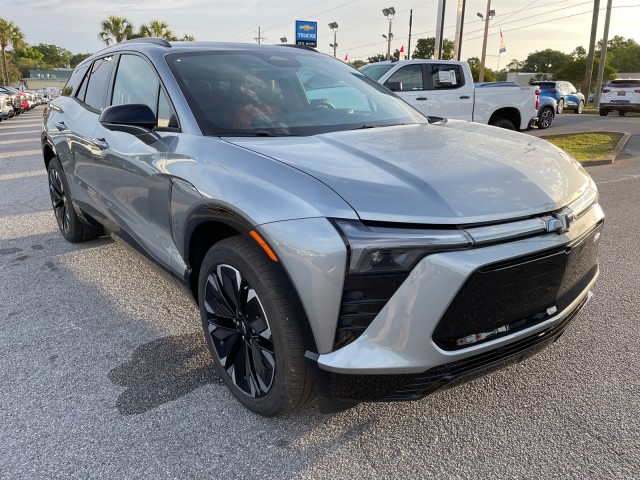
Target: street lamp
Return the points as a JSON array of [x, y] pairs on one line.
[[485, 18], [334, 26], [389, 13], [283, 39]]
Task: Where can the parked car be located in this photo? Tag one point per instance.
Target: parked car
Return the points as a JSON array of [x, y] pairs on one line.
[[16, 100], [546, 112], [445, 89], [622, 95], [567, 96], [357, 251]]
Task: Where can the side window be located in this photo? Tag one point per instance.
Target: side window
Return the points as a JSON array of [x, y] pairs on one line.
[[446, 76], [74, 81], [98, 83], [137, 82], [409, 78], [571, 87]]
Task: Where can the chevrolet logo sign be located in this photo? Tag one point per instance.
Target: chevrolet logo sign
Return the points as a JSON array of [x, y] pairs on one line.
[[306, 28], [561, 222]]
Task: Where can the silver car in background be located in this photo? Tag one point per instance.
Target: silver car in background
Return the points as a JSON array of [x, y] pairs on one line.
[[337, 242]]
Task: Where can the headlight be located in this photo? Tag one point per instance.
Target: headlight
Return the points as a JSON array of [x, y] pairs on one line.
[[375, 250]]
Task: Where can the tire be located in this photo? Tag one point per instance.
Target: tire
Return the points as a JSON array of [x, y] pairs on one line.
[[622, 114], [251, 328], [560, 105], [603, 112], [580, 107], [503, 123], [545, 118], [70, 225]]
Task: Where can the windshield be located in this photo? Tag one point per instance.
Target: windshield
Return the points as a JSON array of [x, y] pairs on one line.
[[630, 83], [375, 72], [287, 92]]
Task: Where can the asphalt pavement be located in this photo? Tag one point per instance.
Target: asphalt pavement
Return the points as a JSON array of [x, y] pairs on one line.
[[104, 372]]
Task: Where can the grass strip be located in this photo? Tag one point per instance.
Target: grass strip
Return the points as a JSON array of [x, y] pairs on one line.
[[587, 146]]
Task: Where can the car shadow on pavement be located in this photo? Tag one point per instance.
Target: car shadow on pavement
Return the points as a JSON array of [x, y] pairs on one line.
[[163, 370]]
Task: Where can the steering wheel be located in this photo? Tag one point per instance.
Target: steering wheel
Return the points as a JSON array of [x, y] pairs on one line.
[[322, 104]]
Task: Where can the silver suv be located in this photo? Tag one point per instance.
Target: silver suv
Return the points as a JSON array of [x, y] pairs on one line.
[[337, 242]]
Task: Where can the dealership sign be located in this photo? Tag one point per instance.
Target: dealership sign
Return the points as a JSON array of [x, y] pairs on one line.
[[306, 33]]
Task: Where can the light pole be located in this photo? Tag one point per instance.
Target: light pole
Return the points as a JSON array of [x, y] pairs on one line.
[[489, 15], [334, 26], [389, 13]]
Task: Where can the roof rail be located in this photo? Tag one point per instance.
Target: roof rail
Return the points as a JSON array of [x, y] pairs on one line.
[[156, 40]]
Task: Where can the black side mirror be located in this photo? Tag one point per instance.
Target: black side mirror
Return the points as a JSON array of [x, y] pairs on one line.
[[134, 118], [394, 86]]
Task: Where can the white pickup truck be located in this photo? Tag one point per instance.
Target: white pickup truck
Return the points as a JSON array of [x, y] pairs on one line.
[[445, 88]]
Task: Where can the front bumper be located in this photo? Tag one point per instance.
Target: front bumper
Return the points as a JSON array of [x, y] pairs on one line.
[[397, 352]]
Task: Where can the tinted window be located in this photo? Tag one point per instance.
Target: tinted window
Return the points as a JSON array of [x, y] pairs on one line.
[[74, 81], [409, 76], [625, 83], [99, 82], [375, 71], [137, 82], [446, 76]]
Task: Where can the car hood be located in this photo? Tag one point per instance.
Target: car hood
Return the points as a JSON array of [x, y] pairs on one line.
[[448, 173]]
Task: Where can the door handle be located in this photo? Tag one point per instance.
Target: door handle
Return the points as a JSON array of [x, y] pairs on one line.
[[465, 97], [60, 126], [101, 143], [422, 98]]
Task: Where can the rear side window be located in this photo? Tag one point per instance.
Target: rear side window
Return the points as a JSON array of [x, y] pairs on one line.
[[74, 81], [96, 94], [410, 78], [446, 76], [625, 83]]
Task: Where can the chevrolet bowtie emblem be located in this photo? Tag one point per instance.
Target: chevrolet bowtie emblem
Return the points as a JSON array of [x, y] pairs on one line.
[[561, 221]]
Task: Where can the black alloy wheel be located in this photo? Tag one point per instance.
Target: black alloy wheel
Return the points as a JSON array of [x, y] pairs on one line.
[[252, 328], [239, 330], [546, 117], [59, 200]]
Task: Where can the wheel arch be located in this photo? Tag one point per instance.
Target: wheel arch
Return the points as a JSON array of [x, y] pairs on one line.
[[510, 113], [48, 151]]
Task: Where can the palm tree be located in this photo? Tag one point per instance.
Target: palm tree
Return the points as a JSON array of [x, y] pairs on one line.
[[10, 34], [115, 29], [188, 38], [157, 28]]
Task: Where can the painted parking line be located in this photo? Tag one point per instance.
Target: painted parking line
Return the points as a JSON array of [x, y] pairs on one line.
[[20, 153], [14, 176], [7, 134], [20, 140]]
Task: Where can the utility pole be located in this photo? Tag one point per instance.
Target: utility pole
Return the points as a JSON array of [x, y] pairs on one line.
[[259, 38], [484, 42], [586, 84], [457, 45], [603, 56], [409, 44], [437, 45], [334, 26]]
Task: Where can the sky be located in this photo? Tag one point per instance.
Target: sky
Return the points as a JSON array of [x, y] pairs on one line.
[[527, 25]]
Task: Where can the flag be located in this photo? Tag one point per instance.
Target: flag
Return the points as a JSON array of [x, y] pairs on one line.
[[402, 52], [502, 47], [346, 57]]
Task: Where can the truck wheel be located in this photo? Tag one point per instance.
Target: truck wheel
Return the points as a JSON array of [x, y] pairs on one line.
[[580, 107], [545, 118], [560, 105], [622, 114], [603, 112], [503, 123]]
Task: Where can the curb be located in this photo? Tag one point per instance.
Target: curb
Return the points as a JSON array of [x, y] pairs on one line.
[[611, 158]]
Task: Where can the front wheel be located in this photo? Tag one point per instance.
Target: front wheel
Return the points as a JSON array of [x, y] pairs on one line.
[[622, 114], [252, 329], [603, 112], [545, 118], [560, 105], [580, 107]]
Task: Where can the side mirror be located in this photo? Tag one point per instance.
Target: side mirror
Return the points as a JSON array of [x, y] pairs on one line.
[[394, 86], [134, 118]]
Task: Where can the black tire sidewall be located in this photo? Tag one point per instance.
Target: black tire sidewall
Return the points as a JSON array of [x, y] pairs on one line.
[[75, 229], [545, 109], [241, 254]]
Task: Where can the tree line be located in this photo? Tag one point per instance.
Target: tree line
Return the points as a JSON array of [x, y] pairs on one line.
[[16, 63]]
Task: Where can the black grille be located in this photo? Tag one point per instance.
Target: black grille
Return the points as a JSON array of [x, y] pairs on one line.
[[362, 299], [509, 296]]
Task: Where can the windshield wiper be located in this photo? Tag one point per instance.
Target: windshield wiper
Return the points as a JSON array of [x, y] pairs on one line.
[[258, 133]]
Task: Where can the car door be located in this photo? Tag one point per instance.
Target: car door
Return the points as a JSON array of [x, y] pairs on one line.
[[572, 95], [450, 96], [408, 83], [134, 190]]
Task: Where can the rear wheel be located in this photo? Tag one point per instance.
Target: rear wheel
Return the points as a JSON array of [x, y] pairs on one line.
[[560, 105], [603, 112], [503, 123], [545, 118], [252, 329], [70, 225], [622, 114], [580, 107]]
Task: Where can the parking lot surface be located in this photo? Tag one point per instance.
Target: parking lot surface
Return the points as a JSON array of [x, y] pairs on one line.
[[105, 373]]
